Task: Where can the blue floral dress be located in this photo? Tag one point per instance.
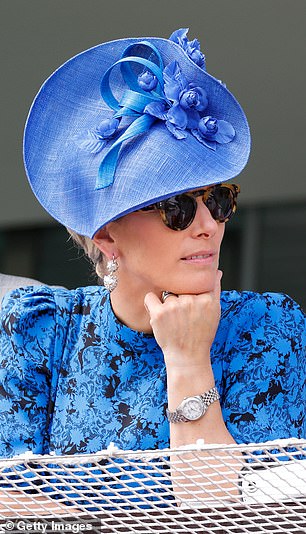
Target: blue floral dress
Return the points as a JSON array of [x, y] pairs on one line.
[[73, 378]]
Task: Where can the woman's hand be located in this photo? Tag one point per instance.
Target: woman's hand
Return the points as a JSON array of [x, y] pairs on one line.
[[185, 326]]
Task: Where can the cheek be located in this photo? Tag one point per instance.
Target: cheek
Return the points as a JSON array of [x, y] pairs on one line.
[[144, 240], [153, 248], [221, 231], [129, 236]]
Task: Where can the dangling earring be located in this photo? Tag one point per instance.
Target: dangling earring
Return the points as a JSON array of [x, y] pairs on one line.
[[110, 280]]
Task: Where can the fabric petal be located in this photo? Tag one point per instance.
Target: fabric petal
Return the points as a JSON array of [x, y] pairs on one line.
[[195, 54], [157, 109], [193, 118], [177, 116], [225, 133], [180, 36], [202, 96], [107, 128], [209, 144], [175, 81], [203, 99], [177, 132]]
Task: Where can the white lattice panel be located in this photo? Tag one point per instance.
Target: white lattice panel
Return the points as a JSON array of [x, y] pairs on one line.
[[198, 489]]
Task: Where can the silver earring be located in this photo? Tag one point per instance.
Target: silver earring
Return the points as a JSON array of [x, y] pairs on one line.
[[110, 280]]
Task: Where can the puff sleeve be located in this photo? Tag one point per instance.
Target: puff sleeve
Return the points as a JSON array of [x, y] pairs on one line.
[[30, 351]]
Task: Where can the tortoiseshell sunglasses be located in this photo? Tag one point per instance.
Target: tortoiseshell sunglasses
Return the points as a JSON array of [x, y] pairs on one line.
[[179, 211]]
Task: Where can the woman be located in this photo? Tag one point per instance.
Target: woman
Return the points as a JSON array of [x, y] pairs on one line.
[[151, 359]]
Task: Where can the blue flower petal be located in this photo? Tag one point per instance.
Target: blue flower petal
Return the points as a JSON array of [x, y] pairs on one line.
[[203, 100], [147, 81], [225, 133], [195, 54], [193, 118], [107, 128], [177, 132], [194, 97], [192, 48], [209, 144], [175, 81], [177, 116], [180, 37], [157, 109]]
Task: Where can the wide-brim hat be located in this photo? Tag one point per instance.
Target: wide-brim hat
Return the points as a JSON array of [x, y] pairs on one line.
[[101, 142]]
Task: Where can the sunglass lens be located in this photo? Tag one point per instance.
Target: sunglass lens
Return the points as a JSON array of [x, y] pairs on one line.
[[179, 211], [220, 203]]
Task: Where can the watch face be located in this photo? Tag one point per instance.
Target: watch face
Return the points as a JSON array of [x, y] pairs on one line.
[[192, 408]]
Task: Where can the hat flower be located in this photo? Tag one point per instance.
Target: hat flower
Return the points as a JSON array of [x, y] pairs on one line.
[[98, 138], [211, 131], [183, 102], [192, 48], [147, 81], [154, 92]]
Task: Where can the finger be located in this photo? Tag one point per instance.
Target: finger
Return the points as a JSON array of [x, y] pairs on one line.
[[167, 294], [151, 302]]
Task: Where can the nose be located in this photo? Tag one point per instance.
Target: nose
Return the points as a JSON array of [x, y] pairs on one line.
[[203, 224]]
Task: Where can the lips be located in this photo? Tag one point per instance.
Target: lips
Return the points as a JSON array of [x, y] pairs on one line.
[[199, 255]]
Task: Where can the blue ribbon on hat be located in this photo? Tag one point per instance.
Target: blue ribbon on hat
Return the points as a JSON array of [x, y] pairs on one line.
[[171, 98], [132, 104]]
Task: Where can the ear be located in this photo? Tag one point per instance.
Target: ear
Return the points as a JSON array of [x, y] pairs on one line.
[[105, 243]]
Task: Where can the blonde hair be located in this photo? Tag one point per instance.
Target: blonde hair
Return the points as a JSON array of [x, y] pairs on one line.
[[93, 253]]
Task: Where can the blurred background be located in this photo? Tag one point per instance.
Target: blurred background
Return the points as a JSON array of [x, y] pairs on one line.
[[257, 48]]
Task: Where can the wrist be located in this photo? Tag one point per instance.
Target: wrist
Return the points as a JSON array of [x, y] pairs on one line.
[[195, 372], [188, 381], [187, 360]]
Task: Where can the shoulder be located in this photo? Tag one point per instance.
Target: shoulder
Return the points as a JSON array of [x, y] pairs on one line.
[[267, 305], [270, 317], [37, 320], [28, 313], [30, 300], [44, 301]]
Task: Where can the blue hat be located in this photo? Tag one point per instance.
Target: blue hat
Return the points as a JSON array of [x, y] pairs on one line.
[[127, 123]]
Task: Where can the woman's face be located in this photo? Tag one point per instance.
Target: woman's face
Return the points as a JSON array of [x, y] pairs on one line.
[[152, 257]]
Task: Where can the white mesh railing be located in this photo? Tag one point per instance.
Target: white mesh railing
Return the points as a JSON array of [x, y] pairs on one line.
[[198, 489]]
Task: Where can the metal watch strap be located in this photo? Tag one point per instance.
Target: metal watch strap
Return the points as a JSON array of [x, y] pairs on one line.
[[207, 398], [210, 396], [176, 417]]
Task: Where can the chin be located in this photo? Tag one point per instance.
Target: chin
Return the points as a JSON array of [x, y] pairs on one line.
[[195, 288], [200, 289]]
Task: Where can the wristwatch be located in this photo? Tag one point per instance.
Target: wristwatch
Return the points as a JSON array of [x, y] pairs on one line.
[[193, 408]]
